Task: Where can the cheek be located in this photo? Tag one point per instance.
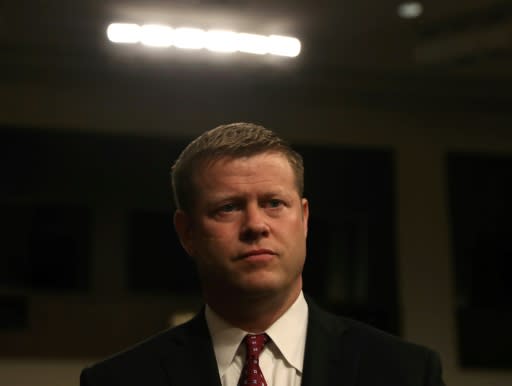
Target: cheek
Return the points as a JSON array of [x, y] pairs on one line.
[[220, 230], [214, 239], [299, 227]]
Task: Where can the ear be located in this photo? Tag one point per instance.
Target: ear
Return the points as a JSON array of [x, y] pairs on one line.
[[183, 226], [305, 215]]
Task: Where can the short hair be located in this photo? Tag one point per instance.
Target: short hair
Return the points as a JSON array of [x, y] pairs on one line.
[[234, 140]]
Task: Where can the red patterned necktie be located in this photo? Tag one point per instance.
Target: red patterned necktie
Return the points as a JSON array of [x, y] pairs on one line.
[[251, 373]]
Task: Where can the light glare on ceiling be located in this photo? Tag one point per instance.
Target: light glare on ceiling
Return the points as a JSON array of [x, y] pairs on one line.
[[156, 35]]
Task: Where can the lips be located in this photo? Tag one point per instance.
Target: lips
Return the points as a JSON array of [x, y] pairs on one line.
[[257, 252]]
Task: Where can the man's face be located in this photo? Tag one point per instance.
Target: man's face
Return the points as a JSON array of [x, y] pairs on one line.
[[248, 229]]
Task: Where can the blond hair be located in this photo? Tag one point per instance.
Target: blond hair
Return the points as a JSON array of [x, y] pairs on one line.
[[234, 140]]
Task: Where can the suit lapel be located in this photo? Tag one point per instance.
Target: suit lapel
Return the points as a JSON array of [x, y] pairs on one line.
[[330, 357], [191, 359]]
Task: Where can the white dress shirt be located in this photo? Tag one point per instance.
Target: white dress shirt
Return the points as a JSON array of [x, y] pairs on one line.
[[282, 358]]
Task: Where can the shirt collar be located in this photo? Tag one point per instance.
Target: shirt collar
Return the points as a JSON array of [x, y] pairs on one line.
[[225, 338], [288, 334]]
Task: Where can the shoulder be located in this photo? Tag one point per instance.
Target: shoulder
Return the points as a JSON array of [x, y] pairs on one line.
[[346, 329], [378, 354], [144, 358]]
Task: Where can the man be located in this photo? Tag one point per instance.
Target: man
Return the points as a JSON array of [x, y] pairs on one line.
[[241, 216]]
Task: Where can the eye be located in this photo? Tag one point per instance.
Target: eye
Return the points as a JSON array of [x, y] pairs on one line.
[[227, 208], [274, 203], [225, 212]]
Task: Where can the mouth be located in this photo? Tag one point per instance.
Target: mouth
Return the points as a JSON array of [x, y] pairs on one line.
[[258, 254]]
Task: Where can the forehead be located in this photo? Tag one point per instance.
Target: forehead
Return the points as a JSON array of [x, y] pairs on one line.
[[268, 166], [275, 162]]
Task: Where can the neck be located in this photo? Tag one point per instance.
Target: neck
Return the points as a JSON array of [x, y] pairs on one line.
[[263, 311]]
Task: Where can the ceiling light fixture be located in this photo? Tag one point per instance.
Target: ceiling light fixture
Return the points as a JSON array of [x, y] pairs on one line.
[[156, 35], [123, 33], [189, 38], [221, 41], [410, 10]]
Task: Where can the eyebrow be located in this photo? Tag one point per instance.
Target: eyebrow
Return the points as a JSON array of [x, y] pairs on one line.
[[219, 197]]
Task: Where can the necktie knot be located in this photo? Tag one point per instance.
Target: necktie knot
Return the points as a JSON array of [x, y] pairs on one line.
[[255, 344]]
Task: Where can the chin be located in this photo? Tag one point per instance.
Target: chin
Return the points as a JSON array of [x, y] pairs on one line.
[[261, 288]]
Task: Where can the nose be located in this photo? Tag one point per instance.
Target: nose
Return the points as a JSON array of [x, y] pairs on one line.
[[254, 224]]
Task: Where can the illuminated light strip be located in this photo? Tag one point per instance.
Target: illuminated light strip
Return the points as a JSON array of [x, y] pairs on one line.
[[156, 35]]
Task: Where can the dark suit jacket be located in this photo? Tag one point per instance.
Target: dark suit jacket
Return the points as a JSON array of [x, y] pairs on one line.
[[339, 351]]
